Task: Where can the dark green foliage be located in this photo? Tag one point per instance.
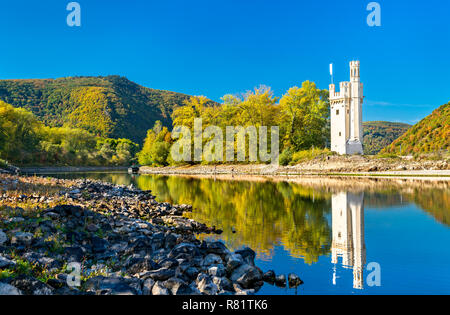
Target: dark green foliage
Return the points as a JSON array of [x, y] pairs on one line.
[[380, 134], [109, 106]]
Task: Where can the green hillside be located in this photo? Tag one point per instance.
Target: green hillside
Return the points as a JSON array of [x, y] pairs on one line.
[[430, 135], [109, 106], [380, 134]]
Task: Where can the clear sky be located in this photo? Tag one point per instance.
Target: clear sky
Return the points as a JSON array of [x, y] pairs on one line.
[[216, 47]]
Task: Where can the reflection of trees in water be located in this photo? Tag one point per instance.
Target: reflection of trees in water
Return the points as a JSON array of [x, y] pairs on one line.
[[266, 213], [263, 213], [434, 201]]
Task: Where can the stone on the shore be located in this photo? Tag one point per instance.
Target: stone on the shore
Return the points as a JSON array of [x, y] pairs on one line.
[[294, 280], [205, 285], [217, 271], [233, 261], [31, 286], [212, 259], [3, 238], [184, 248], [110, 286], [6, 263], [158, 275], [280, 281], [148, 286], [159, 289], [22, 238], [6, 289], [177, 286], [269, 276], [246, 276], [248, 255]]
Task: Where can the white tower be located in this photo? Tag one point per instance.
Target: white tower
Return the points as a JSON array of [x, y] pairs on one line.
[[348, 234], [346, 114]]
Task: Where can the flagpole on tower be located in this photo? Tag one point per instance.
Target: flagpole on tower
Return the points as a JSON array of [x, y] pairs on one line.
[[331, 73]]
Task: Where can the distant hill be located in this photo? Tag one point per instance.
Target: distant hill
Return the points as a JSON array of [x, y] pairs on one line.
[[380, 134], [111, 106], [430, 135]]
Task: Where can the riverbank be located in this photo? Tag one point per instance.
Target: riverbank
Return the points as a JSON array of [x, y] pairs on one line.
[[70, 169], [117, 239], [333, 166]]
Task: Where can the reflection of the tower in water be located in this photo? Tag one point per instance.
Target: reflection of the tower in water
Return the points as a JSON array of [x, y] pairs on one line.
[[348, 235]]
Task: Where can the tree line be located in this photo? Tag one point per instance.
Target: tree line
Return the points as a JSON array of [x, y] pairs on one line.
[[24, 140], [302, 115]]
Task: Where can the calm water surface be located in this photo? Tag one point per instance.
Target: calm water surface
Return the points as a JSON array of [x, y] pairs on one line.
[[328, 231]]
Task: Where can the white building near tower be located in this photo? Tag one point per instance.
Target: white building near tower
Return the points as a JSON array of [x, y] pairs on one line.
[[346, 114]]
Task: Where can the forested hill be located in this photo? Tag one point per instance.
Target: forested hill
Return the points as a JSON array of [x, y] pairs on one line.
[[380, 134], [431, 135], [111, 106]]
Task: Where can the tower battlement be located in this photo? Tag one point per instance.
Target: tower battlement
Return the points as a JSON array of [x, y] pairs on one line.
[[346, 114]]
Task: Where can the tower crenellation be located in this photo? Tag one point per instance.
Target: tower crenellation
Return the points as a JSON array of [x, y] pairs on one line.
[[346, 114]]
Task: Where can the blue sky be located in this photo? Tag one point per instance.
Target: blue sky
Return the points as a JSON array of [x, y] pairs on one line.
[[217, 47]]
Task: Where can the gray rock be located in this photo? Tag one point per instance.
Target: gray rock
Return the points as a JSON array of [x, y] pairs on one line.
[[212, 259], [223, 284], [6, 289], [159, 289], [31, 286], [217, 271], [158, 275], [22, 238], [294, 280], [248, 255], [41, 260], [234, 261], [16, 220], [3, 238], [280, 281], [217, 248], [184, 248], [178, 287], [247, 276], [269, 276], [148, 286], [6, 263], [206, 286], [240, 291], [110, 286]]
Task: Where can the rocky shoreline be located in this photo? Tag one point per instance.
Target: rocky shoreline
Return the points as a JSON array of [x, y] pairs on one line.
[[322, 165], [76, 237]]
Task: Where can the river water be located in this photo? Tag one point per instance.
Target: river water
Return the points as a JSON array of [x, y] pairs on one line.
[[341, 236]]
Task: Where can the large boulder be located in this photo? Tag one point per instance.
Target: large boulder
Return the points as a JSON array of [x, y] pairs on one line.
[[110, 286], [248, 255], [205, 285], [3, 238], [212, 259], [5, 262], [247, 276], [158, 275], [6, 289], [31, 286], [159, 289], [294, 280], [184, 249], [22, 238]]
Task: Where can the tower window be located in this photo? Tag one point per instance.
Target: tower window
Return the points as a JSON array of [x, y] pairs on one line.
[[340, 134], [337, 112]]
